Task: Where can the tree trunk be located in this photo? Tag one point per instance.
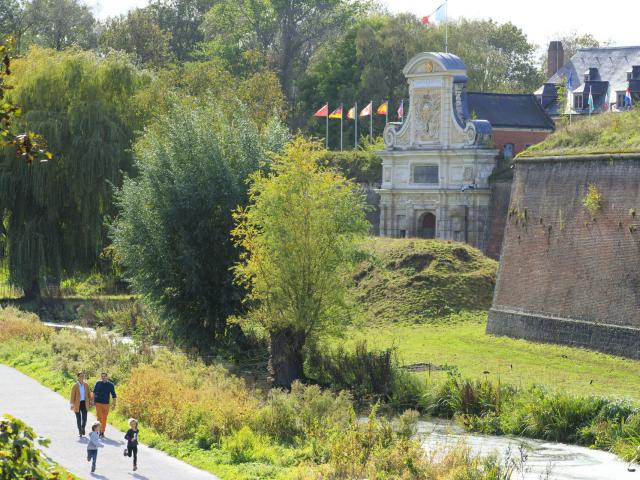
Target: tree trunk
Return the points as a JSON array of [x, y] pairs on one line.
[[31, 293], [285, 359]]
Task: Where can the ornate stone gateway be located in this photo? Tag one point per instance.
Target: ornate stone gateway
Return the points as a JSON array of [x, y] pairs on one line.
[[436, 164]]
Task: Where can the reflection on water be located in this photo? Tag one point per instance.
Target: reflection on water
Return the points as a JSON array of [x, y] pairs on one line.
[[555, 461]]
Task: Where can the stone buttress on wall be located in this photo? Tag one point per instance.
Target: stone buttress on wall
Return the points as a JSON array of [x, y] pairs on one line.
[[568, 275]]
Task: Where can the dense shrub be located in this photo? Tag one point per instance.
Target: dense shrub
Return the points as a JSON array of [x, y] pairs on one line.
[[74, 352], [16, 324], [290, 417], [367, 374], [186, 399]]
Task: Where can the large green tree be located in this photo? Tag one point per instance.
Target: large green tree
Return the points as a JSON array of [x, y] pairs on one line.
[[182, 19], [282, 35], [60, 24], [54, 212], [173, 232], [299, 235], [139, 34]]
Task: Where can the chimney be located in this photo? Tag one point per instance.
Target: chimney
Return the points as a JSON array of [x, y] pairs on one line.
[[555, 57]]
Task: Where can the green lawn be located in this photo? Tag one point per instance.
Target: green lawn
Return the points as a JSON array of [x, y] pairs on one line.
[[519, 362]]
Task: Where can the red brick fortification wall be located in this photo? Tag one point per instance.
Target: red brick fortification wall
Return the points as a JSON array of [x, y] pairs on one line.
[[566, 275], [498, 208]]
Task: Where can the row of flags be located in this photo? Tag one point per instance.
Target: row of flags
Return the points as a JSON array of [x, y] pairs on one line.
[[338, 113], [383, 109]]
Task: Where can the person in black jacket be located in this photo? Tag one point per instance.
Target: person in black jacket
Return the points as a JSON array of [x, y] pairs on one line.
[[132, 442]]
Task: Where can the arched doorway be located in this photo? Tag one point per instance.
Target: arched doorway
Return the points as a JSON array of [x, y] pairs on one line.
[[427, 225]]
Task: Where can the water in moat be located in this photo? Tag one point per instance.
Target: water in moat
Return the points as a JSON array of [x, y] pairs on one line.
[[544, 460]]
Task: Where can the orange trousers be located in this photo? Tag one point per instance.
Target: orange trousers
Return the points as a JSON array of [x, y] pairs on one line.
[[102, 411]]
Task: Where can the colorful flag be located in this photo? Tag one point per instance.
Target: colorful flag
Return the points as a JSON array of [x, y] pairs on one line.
[[367, 110], [351, 114], [628, 101], [323, 112], [606, 101], [591, 107], [441, 13], [438, 15], [383, 108], [337, 113], [401, 110]]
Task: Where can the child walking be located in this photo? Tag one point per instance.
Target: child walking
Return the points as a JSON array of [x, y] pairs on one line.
[[92, 446], [132, 442]]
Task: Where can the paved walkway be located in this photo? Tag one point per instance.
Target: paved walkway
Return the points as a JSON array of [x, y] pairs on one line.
[[49, 415]]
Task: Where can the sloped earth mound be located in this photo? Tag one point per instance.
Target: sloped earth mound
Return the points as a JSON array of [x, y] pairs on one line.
[[418, 281]]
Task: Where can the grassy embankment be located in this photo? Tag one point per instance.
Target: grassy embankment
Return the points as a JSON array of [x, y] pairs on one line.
[[429, 299], [600, 134]]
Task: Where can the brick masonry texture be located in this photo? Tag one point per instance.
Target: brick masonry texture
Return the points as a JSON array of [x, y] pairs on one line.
[[520, 138], [498, 208], [566, 275]]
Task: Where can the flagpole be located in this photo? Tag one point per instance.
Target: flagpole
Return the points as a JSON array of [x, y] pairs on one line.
[[355, 114], [371, 123], [326, 135], [446, 26], [341, 116]]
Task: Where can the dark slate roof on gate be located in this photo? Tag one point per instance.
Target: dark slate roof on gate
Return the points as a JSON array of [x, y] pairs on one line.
[[509, 110]]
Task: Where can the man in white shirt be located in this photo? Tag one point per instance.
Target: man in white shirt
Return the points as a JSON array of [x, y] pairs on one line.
[[79, 401]]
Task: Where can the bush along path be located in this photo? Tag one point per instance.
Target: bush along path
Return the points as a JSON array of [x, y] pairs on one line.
[[48, 414]]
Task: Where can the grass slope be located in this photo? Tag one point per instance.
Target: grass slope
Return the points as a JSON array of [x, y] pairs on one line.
[[517, 362], [605, 133], [417, 281]]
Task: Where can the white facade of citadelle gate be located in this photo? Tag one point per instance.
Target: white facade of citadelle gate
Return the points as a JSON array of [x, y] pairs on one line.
[[437, 163]]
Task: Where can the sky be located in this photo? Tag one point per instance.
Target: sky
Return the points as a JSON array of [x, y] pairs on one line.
[[615, 21]]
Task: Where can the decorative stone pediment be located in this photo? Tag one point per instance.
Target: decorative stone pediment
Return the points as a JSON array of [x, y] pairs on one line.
[[437, 114]]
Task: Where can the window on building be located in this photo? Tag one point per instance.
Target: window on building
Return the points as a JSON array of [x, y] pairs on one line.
[[507, 151], [577, 101], [425, 174], [620, 99]]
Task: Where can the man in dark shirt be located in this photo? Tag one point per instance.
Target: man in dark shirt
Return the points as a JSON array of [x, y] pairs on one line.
[[102, 393]]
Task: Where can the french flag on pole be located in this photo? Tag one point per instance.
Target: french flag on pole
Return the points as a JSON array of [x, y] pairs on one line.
[[628, 101]]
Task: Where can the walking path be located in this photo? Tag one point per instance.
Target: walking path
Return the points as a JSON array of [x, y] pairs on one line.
[[49, 415]]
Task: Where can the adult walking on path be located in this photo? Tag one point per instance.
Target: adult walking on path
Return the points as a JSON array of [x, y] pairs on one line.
[[103, 391], [80, 399], [47, 412]]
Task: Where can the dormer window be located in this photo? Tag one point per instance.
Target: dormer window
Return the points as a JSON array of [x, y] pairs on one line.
[[577, 101]]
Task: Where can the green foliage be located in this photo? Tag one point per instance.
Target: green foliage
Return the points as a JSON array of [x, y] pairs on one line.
[[55, 211], [138, 34], [362, 166], [300, 235], [21, 457], [172, 235], [369, 375], [302, 413], [283, 36], [60, 24], [598, 134], [592, 201], [417, 281]]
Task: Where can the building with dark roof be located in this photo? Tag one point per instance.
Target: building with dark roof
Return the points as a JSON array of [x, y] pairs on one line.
[[437, 164], [607, 73]]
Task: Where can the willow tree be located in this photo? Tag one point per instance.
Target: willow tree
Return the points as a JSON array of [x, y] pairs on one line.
[[299, 236], [172, 234], [54, 212]]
